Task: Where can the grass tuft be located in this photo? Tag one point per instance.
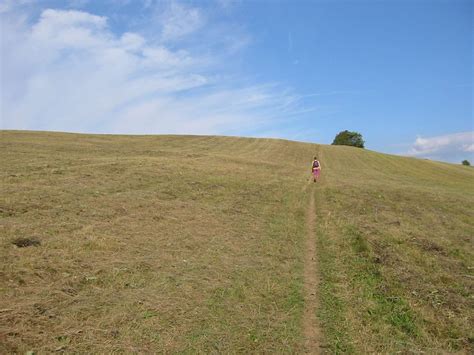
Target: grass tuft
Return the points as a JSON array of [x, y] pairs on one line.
[[26, 242]]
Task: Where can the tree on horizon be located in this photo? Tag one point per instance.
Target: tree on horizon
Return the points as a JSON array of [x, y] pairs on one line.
[[346, 137]]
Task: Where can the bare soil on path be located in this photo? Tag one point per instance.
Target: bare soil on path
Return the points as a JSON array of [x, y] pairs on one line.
[[311, 282]]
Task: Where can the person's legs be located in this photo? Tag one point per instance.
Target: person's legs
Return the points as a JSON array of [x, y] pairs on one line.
[[316, 175]]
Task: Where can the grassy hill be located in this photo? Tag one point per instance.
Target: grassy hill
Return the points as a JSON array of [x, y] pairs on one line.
[[197, 244]]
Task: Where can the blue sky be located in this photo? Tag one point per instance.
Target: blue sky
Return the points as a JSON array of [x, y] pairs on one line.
[[400, 72]]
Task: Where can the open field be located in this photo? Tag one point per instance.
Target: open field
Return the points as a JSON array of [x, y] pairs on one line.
[[197, 244], [396, 248]]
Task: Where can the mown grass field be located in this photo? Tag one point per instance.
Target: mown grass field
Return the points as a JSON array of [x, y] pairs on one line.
[[196, 244], [396, 253]]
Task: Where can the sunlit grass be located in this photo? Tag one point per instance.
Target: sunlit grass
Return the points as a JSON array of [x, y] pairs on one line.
[[196, 244]]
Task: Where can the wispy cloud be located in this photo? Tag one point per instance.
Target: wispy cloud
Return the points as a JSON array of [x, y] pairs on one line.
[[446, 147], [67, 70], [179, 20], [9, 5]]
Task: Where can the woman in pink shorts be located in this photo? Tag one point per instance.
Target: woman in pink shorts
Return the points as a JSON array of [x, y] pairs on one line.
[[316, 169]]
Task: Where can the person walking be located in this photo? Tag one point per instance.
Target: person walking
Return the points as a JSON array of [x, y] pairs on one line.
[[316, 169]]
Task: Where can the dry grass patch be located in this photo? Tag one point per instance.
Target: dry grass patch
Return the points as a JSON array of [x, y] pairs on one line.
[[149, 244], [399, 236], [196, 244]]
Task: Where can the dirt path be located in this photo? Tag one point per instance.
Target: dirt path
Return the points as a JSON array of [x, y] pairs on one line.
[[311, 280]]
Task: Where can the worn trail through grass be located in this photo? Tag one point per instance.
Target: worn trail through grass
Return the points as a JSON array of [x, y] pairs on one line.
[[311, 283]]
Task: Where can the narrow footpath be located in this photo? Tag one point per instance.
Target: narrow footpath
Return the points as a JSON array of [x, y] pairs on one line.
[[311, 329]]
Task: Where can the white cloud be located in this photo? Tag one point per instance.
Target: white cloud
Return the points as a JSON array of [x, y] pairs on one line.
[[445, 147], [69, 29], [212, 113], [468, 147], [68, 71], [179, 20]]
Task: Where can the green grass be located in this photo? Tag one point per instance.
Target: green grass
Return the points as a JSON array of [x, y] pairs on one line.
[[398, 234], [196, 244]]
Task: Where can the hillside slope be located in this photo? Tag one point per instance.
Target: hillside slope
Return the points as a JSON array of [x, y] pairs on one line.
[[396, 247], [185, 243]]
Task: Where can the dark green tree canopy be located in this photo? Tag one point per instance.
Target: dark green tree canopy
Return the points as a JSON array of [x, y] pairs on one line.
[[466, 162], [353, 139]]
